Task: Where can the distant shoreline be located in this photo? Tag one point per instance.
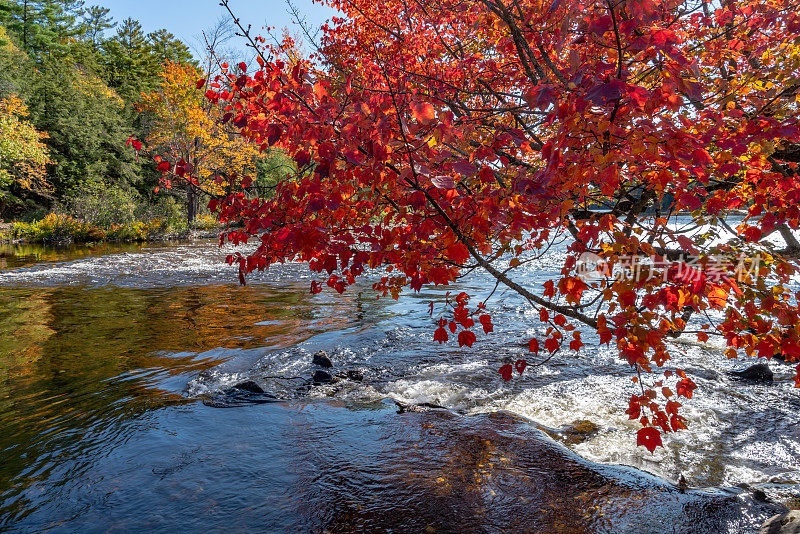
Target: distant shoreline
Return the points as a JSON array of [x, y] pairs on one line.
[[66, 240]]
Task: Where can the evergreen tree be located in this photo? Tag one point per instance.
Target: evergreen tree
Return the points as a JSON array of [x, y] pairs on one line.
[[96, 20], [42, 26], [165, 47], [82, 89], [14, 65], [129, 68], [87, 127], [131, 36]]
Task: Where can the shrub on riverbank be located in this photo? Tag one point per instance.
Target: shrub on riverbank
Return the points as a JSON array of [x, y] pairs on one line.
[[54, 228], [60, 228], [101, 205], [206, 222]]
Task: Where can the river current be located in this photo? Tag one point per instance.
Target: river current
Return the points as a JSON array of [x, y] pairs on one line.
[[116, 412]]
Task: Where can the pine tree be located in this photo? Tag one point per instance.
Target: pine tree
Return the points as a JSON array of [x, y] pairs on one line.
[[165, 47], [129, 68], [42, 26], [131, 36], [96, 20]]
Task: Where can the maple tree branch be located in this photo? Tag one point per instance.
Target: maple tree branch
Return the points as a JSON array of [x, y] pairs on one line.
[[502, 277], [617, 38], [523, 49], [245, 31]]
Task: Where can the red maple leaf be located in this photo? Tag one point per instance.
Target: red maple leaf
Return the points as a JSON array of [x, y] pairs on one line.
[[423, 112], [486, 322], [466, 337], [686, 388], [440, 335], [649, 438], [634, 408], [506, 372]]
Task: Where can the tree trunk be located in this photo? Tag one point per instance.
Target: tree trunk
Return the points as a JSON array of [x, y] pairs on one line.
[[25, 27], [192, 203]]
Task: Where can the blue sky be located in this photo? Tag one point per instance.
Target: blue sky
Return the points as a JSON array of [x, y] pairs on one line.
[[188, 18]]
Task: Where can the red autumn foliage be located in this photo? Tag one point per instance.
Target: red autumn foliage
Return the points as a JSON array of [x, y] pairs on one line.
[[507, 372], [649, 438], [433, 138]]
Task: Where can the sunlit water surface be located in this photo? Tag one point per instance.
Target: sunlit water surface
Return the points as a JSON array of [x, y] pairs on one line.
[[115, 360]]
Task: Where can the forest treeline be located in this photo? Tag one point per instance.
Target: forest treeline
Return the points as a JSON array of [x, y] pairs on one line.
[[75, 87]]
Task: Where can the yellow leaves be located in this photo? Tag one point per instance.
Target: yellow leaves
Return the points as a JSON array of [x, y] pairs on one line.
[[187, 126], [762, 85], [93, 87], [7, 45], [13, 105], [718, 297], [23, 155], [685, 298], [435, 138]]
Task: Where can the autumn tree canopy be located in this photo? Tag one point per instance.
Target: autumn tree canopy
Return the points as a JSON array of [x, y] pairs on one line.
[[436, 136], [23, 154], [189, 132], [80, 76]]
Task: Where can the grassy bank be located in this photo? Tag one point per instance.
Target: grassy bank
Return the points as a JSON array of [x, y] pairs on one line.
[[63, 229]]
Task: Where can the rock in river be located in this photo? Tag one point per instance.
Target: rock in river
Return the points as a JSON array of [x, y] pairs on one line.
[[433, 469], [242, 394], [759, 372], [321, 358], [577, 432], [249, 386], [356, 375], [788, 523], [322, 377]]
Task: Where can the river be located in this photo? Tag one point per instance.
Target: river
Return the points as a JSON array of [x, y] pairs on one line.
[[116, 413]]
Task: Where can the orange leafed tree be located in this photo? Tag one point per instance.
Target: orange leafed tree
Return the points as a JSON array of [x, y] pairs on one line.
[[434, 137], [189, 135], [23, 154]]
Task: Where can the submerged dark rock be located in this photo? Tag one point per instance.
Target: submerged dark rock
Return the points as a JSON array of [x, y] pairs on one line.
[[403, 407], [242, 394], [355, 375], [322, 377], [787, 523], [433, 470], [249, 386], [760, 495], [577, 432], [321, 358], [759, 372]]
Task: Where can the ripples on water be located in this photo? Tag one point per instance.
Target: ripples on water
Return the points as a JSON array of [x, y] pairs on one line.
[[106, 353]]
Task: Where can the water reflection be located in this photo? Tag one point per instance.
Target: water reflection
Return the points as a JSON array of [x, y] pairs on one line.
[[82, 370]]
